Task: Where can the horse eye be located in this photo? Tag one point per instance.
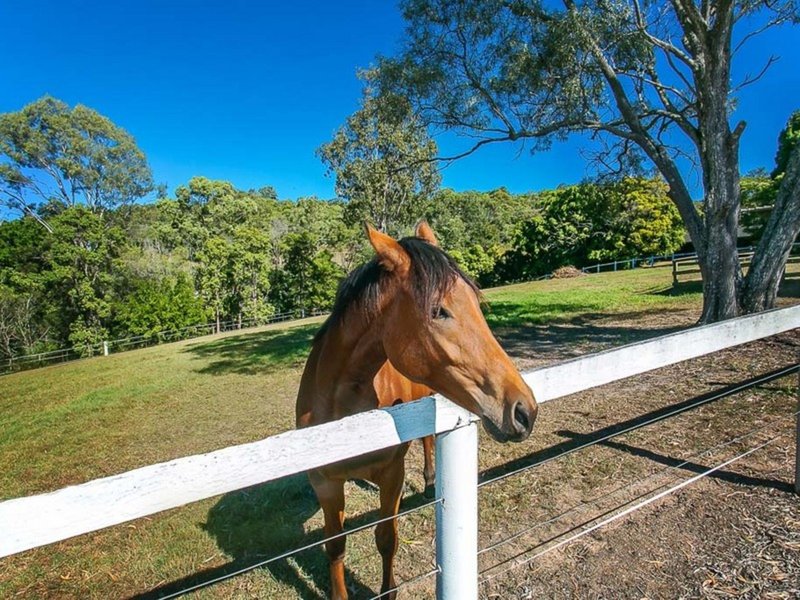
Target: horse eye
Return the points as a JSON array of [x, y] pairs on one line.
[[440, 312]]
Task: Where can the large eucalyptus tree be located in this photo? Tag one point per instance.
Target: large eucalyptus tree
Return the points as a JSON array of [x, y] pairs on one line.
[[382, 158], [53, 157], [652, 80]]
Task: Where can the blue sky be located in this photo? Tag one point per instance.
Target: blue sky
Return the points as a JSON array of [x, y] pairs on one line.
[[246, 91]]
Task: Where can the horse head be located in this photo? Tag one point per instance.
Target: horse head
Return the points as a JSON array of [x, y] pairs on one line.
[[434, 333]]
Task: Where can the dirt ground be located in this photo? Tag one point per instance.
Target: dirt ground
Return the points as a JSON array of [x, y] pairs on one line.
[[734, 534]]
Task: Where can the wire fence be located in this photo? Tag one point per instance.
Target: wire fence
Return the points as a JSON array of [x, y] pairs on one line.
[[657, 485], [42, 359], [309, 546], [688, 461], [615, 514]]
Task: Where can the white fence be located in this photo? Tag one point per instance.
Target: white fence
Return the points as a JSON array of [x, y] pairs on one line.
[[42, 359], [34, 521]]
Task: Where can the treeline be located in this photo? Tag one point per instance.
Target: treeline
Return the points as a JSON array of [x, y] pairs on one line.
[[215, 253], [86, 261]]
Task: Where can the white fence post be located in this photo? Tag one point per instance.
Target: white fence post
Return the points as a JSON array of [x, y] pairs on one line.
[[105, 348], [457, 513]]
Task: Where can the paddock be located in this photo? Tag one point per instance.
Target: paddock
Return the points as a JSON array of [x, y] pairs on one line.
[[165, 491]]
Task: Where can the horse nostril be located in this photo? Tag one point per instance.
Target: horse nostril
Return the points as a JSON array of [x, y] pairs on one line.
[[522, 418]]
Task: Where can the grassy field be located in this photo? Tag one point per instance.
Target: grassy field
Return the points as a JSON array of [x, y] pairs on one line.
[[74, 422], [77, 421]]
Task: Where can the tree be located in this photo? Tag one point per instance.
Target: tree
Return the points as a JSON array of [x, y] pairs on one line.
[[788, 140], [382, 159], [151, 306], [309, 277], [213, 259], [590, 223], [652, 80], [22, 328], [758, 192], [81, 258], [249, 269], [54, 157], [478, 228]]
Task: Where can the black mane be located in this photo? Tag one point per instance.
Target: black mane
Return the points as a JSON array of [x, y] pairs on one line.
[[433, 272]]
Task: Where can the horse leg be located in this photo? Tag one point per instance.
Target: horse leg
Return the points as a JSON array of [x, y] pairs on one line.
[[330, 494], [428, 471], [391, 485]]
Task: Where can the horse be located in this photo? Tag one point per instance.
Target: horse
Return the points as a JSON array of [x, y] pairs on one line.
[[405, 323]]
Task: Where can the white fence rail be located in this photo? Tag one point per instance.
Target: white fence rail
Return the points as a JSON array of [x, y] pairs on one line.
[[34, 521]]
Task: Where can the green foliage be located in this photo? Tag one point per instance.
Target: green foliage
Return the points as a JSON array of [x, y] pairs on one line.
[[80, 256], [308, 278], [382, 158], [788, 139], [590, 223], [63, 156], [477, 228], [152, 306], [758, 193]]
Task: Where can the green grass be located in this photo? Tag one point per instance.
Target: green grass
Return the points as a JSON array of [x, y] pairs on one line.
[[78, 421], [583, 298]]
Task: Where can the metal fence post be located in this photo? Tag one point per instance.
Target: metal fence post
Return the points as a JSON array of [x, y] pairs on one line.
[[457, 513]]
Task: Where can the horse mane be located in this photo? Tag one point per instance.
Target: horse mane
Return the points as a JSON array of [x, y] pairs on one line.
[[432, 273]]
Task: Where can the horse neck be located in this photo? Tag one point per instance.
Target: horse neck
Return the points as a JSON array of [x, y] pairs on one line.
[[351, 351]]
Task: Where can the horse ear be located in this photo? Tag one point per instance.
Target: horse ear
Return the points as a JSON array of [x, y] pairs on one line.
[[424, 232], [390, 254]]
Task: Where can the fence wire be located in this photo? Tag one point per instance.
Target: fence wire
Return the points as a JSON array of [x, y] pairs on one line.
[[702, 401], [41, 359], [408, 582], [633, 484], [619, 515], [288, 553]]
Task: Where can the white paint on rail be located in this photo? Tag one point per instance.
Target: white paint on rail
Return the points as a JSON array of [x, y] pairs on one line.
[[586, 372], [45, 518]]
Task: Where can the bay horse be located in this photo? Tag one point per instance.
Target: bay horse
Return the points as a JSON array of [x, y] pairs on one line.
[[406, 323]]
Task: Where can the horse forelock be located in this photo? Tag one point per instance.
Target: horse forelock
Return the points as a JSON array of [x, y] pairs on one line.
[[432, 274]]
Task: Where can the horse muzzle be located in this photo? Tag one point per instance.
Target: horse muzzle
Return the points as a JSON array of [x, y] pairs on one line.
[[517, 421]]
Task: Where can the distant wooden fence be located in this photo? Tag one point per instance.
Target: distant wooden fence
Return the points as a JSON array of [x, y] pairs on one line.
[[689, 265], [34, 521]]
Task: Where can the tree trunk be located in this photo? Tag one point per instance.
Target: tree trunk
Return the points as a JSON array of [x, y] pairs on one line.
[[719, 265], [760, 288], [719, 159]]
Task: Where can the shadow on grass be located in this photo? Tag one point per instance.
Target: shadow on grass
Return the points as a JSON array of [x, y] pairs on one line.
[[263, 521], [583, 333], [503, 313], [255, 353], [789, 288], [257, 523]]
